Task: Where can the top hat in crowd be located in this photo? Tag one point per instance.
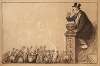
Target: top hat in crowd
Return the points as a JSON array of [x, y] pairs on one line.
[[77, 5]]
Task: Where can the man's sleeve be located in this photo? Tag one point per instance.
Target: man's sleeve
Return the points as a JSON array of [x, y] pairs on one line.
[[71, 18], [81, 22]]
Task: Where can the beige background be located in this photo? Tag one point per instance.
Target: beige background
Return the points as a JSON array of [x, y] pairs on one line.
[[1, 46], [38, 24], [49, 0], [28, 23]]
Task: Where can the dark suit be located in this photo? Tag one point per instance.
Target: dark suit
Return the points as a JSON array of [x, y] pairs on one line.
[[84, 26], [85, 30]]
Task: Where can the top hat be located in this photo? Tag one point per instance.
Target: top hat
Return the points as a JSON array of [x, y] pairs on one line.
[[77, 5]]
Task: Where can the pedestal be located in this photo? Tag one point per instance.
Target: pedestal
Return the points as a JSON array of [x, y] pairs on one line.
[[70, 42]]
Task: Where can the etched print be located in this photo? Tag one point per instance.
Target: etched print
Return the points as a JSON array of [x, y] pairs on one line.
[[39, 37]]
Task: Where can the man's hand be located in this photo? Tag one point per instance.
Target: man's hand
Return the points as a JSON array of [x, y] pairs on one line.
[[75, 30]]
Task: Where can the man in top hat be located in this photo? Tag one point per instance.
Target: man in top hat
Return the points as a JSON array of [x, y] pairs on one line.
[[84, 28]]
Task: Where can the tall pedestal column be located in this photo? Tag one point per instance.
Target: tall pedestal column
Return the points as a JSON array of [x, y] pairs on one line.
[[70, 42]]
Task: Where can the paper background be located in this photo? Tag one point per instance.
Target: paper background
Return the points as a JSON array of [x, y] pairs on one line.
[[27, 15]]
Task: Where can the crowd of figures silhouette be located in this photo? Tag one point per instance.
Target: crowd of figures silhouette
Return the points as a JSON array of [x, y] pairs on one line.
[[39, 55]]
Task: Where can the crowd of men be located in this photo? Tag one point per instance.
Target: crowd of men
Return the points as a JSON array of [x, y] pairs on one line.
[[39, 55]]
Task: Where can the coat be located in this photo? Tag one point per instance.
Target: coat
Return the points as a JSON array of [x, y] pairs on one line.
[[85, 29]]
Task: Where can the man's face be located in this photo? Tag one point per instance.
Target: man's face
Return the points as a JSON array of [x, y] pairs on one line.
[[74, 10]]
